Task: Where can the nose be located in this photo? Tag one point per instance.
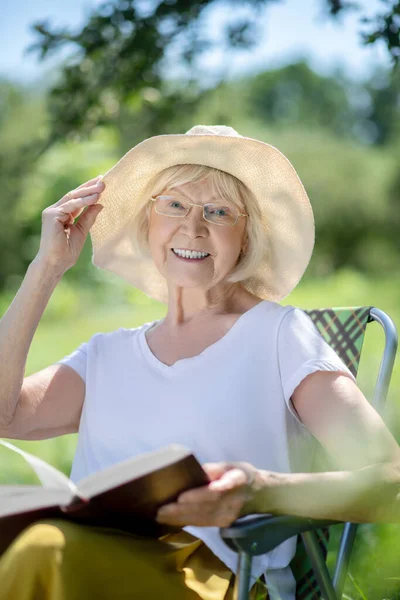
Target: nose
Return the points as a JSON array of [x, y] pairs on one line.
[[194, 224]]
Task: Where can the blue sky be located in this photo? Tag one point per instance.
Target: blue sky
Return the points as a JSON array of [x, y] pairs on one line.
[[290, 30]]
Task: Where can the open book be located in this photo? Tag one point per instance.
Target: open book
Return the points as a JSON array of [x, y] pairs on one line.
[[125, 496]]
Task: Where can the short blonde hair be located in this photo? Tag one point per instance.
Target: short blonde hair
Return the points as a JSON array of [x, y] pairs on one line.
[[227, 187]]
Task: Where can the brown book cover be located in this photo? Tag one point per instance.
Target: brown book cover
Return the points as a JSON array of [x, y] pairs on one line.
[[125, 496]]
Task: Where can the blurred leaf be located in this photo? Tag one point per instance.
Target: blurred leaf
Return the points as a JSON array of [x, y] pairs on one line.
[[121, 48]]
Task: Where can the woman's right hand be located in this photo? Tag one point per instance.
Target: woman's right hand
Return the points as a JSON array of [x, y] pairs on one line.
[[62, 237]]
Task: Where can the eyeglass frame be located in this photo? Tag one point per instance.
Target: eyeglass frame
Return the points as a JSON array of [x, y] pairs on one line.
[[199, 205]]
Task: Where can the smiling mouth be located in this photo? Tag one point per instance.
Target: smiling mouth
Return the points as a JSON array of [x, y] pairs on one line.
[[190, 255]]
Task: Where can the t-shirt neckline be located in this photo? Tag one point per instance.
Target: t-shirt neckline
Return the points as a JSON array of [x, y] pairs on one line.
[[184, 363]]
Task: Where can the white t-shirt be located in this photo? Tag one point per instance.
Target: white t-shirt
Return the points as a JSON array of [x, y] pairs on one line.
[[229, 403]]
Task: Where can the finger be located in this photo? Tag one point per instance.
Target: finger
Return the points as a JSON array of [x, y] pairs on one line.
[[181, 515], [68, 212], [85, 191], [81, 192], [75, 204], [71, 217], [216, 470], [184, 520], [198, 495], [75, 214], [200, 514], [88, 218], [232, 479]]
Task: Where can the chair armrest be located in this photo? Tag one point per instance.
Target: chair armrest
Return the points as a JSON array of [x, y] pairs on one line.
[[261, 534]]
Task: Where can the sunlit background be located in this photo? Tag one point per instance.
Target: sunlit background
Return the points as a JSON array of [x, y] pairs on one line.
[[290, 73]]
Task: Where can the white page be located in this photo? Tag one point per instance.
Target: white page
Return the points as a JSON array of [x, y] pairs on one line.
[[18, 490], [39, 497], [121, 472], [48, 475]]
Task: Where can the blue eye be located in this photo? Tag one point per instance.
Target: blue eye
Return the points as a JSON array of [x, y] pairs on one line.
[[219, 211], [173, 203]]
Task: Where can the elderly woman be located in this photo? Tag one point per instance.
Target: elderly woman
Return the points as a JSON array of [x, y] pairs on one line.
[[219, 227]]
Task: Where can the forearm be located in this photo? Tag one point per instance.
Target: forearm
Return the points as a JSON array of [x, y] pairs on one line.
[[366, 495], [17, 328]]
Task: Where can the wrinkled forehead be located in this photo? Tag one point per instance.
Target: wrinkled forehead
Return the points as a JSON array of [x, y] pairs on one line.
[[205, 186]]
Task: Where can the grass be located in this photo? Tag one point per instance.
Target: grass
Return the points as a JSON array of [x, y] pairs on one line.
[[63, 328]]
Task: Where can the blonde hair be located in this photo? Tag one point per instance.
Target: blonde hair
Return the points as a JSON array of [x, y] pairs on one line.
[[227, 187]]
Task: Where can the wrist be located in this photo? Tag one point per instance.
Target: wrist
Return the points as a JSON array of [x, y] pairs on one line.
[[44, 270], [260, 499]]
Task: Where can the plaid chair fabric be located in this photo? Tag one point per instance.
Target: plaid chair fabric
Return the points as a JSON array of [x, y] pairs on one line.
[[343, 329]]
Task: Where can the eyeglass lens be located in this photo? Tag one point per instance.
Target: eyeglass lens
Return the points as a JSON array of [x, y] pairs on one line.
[[174, 206]]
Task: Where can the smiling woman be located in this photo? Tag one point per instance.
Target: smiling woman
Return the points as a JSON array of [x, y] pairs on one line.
[[219, 227], [223, 188]]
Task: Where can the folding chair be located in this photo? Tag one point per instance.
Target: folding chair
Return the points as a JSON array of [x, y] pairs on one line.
[[344, 330]]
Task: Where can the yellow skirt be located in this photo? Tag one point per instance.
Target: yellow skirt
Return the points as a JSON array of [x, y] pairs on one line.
[[55, 559]]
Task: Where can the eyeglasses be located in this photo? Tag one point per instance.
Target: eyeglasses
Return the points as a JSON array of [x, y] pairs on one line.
[[218, 214]]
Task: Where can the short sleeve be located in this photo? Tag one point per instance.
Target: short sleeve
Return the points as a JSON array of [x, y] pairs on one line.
[[301, 351], [77, 360]]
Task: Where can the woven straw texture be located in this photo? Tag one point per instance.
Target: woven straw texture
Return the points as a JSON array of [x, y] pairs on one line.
[[286, 211]]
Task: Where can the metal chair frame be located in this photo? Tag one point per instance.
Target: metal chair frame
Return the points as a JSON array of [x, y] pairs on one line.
[[260, 535]]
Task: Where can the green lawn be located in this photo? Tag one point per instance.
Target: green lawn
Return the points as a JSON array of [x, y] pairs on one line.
[[62, 330]]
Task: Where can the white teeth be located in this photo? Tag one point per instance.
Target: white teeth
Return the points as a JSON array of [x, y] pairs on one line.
[[189, 253]]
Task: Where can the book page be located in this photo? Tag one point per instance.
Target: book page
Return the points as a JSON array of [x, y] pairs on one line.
[[15, 490], [37, 497], [48, 475], [130, 469]]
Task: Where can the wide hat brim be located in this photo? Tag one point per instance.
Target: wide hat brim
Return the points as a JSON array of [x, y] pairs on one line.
[[287, 215]]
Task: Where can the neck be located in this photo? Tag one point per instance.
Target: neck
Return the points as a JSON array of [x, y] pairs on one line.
[[187, 304]]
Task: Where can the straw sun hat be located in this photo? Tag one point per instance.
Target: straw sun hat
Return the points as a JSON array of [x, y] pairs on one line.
[[286, 211]]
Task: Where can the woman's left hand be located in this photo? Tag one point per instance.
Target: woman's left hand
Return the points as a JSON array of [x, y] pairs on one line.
[[228, 496]]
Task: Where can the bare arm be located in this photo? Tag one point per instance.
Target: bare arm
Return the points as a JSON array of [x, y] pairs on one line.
[[50, 404], [366, 485], [17, 328], [47, 403], [339, 416]]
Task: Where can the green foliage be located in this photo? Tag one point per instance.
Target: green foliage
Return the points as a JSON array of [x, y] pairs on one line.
[[295, 94], [347, 187], [385, 27], [21, 120], [383, 109], [121, 48]]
